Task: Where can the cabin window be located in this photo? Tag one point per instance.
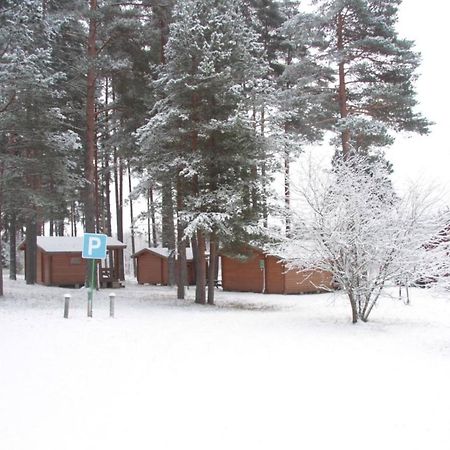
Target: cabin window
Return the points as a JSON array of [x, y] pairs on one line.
[[75, 261]]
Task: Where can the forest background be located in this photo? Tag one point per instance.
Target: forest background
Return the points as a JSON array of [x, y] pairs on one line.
[[91, 97]]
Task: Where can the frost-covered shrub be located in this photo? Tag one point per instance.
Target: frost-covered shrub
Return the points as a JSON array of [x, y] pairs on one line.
[[359, 229]]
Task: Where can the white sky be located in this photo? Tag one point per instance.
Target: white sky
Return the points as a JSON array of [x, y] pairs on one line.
[[426, 158]]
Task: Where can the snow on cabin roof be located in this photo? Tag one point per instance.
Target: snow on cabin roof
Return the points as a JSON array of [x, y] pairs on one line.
[[67, 244], [163, 251]]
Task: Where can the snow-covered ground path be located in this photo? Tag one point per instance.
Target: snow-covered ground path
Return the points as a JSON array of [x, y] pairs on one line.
[[255, 372]]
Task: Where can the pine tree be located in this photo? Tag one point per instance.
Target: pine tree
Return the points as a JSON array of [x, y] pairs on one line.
[[130, 55], [199, 130], [298, 100], [265, 17], [374, 68], [37, 145]]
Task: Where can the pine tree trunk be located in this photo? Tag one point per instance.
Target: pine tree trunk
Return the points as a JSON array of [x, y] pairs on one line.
[[118, 186], [287, 192], [265, 212], [287, 162], [168, 227], [181, 243], [181, 267], [133, 241], [194, 247], [97, 193], [149, 226], [151, 220], [200, 291], [212, 269], [12, 247], [254, 169], [254, 192], [101, 196], [163, 36], [342, 94], [107, 194], [31, 250], [107, 173], [90, 200], [73, 220]]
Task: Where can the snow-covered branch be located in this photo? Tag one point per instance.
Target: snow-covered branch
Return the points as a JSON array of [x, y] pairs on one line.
[[359, 229]]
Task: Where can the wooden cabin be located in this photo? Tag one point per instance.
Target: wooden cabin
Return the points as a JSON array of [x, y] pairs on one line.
[[268, 274], [59, 262], [152, 265]]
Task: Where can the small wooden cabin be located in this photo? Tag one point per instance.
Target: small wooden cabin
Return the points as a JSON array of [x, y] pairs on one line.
[[59, 261], [268, 274], [152, 265]]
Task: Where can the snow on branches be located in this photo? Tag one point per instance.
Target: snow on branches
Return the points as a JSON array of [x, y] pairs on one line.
[[359, 229]]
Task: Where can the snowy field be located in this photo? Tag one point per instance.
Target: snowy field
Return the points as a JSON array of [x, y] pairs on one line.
[[255, 372]]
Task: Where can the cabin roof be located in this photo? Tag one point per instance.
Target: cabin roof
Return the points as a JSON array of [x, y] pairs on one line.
[[162, 251], [67, 244]]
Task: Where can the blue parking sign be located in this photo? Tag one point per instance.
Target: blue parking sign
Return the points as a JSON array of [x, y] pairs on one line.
[[94, 246]]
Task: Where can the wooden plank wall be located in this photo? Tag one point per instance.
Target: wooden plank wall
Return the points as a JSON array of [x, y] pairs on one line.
[[243, 276], [150, 269], [246, 276], [307, 282], [67, 269], [275, 280]]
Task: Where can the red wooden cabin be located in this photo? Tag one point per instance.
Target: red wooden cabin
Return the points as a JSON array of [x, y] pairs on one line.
[[153, 265], [267, 274], [59, 261]]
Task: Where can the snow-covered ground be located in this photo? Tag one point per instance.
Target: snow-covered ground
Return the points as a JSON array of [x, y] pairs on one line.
[[255, 372]]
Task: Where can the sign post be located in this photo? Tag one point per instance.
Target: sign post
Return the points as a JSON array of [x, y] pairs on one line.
[[262, 266], [94, 247]]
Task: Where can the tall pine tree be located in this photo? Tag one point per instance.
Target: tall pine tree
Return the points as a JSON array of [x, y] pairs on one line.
[[200, 129], [375, 71], [37, 144]]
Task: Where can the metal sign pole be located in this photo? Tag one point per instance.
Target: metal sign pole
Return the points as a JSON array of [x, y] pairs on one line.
[[94, 247], [91, 287]]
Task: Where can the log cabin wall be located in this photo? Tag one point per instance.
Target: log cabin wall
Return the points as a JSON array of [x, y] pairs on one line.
[[59, 268], [275, 278], [150, 269], [247, 276], [154, 269], [40, 264], [243, 275], [307, 282], [67, 269], [191, 273], [164, 270], [47, 269]]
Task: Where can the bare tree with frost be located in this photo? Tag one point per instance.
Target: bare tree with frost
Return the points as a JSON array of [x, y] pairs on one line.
[[359, 229]]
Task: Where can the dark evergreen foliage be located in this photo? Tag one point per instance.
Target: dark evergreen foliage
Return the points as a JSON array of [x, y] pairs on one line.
[[199, 99]]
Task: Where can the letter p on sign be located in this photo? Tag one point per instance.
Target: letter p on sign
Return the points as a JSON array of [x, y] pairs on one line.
[[94, 246]]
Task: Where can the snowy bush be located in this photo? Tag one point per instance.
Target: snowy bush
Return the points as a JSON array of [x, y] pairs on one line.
[[358, 228]]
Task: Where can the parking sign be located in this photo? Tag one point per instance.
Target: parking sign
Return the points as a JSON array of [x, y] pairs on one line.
[[94, 246]]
